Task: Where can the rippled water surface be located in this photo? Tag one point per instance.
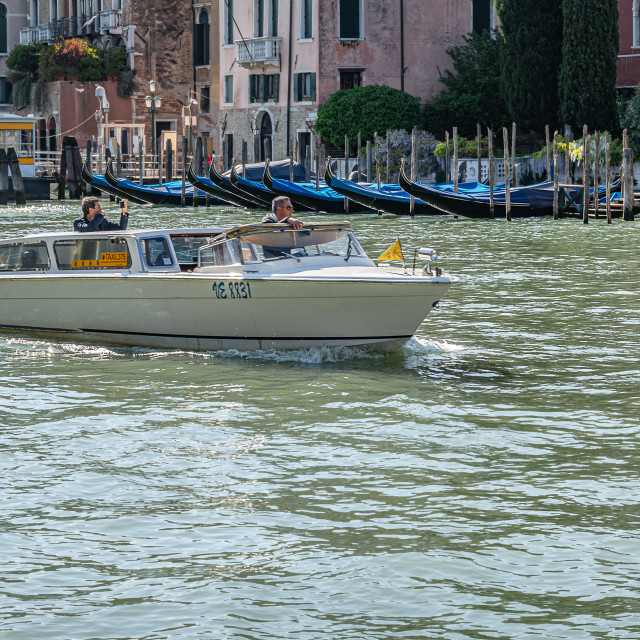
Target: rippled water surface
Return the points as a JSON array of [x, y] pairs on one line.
[[482, 483]]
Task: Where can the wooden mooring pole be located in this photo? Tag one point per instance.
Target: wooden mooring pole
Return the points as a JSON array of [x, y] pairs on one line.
[[447, 159], [607, 176], [492, 202], [507, 179], [455, 160], [586, 164], [628, 203], [4, 177], [414, 168], [16, 177], [556, 177], [596, 173], [183, 195], [479, 142]]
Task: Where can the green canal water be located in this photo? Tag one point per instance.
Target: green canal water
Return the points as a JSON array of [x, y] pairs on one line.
[[484, 482]]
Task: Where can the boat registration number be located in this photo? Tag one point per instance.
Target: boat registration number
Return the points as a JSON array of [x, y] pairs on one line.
[[235, 290]]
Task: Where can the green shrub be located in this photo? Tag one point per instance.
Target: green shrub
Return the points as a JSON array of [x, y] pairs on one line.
[[24, 59], [366, 110], [115, 61]]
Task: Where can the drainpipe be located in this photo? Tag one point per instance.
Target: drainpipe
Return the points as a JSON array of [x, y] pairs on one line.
[[289, 76], [402, 45]]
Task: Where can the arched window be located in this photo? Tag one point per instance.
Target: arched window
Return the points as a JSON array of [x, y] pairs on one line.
[[3, 29], [201, 40]]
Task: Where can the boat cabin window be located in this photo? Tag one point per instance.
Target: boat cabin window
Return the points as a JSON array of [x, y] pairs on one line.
[[186, 247], [92, 253], [218, 255], [156, 252], [24, 256]]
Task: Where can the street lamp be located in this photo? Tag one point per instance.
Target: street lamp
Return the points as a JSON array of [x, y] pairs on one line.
[[153, 103], [103, 108], [192, 102]]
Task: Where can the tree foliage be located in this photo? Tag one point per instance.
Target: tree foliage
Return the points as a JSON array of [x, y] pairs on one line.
[[531, 31], [587, 79], [24, 59], [370, 109], [630, 120], [473, 93]]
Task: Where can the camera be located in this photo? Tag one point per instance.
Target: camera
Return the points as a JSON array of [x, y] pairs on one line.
[[122, 204]]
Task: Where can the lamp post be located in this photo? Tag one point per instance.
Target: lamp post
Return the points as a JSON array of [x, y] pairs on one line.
[[153, 103], [103, 109], [192, 102]]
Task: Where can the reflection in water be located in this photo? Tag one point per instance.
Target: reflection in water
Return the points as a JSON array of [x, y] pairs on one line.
[[478, 483]]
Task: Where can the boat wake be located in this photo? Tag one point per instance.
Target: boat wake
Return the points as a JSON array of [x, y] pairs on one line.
[[413, 353]]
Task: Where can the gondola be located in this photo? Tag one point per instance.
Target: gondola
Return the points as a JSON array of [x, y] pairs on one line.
[[479, 206], [204, 184], [389, 199], [224, 182], [161, 194], [325, 199], [100, 183], [252, 187]]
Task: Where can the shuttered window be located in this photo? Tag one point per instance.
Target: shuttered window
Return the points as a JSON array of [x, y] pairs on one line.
[[228, 21], [482, 15], [350, 16], [306, 20], [264, 87], [304, 87]]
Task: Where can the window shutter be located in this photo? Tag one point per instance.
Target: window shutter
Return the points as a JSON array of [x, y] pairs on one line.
[[296, 87], [276, 87], [262, 88], [252, 85], [349, 19], [312, 82]]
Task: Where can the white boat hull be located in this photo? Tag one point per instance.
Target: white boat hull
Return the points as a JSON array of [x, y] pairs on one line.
[[207, 312]]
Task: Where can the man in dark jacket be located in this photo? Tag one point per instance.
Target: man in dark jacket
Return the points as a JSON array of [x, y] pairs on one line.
[[94, 218]]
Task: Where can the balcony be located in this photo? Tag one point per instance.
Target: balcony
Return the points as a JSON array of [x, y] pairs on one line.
[[258, 52], [110, 20], [29, 35]]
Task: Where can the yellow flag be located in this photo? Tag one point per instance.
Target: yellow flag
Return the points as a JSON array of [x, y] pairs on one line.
[[394, 252]]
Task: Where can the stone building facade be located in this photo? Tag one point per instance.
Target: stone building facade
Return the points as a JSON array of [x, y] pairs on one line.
[[13, 17], [158, 39], [279, 61]]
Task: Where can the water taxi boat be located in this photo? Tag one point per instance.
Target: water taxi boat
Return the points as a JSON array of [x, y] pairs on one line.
[[259, 286]]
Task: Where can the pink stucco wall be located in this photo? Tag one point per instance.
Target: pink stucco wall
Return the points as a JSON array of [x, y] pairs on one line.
[[430, 28]]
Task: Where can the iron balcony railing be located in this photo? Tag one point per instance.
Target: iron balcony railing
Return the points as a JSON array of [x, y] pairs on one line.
[[258, 52]]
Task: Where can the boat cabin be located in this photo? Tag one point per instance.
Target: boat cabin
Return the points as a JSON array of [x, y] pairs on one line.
[[178, 250]]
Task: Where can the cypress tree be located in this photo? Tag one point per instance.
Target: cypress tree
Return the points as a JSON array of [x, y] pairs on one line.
[[531, 56], [589, 58]]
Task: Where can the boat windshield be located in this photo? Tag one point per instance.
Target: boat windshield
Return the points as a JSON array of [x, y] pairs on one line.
[[345, 245]]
